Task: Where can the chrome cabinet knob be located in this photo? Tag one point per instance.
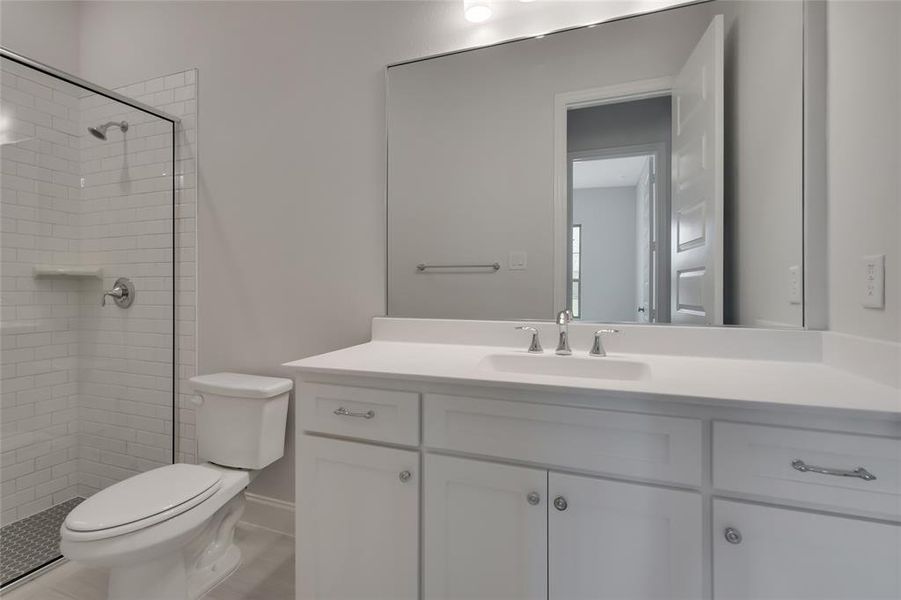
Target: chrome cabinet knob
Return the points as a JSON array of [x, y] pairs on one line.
[[533, 498], [560, 503], [732, 535], [405, 476]]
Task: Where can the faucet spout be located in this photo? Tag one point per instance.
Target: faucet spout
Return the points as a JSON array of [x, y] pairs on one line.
[[564, 317]]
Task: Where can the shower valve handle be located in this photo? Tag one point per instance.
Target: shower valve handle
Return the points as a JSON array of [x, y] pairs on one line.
[[123, 293]]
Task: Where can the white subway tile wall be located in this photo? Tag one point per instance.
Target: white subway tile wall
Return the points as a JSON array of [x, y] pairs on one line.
[[116, 387], [40, 214]]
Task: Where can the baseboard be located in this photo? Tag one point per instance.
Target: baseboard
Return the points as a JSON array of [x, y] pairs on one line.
[[269, 513]]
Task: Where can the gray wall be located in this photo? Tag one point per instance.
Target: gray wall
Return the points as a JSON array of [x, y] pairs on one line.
[[763, 154], [45, 31], [609, 254], [864, 98], [623, 124]]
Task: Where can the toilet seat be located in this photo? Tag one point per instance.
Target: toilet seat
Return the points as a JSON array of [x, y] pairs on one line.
[[142, 501]]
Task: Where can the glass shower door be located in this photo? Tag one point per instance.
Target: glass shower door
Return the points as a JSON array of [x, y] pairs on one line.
[[87, 288]]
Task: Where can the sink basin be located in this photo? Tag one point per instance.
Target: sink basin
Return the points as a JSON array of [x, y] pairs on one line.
[[567, 366]]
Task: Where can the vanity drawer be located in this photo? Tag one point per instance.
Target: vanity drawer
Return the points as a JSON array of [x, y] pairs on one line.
[[378, 415], [763, 461], [618, 443]]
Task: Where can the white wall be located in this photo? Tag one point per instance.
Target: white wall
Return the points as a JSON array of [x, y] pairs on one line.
[[125, 356], [763, 183], [45, 31], [609, 261], [87, 389], [39, 207], [291, 172], [864, 129]]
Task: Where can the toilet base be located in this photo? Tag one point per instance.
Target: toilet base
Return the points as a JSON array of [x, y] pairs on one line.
[[165, 578], [160, 579], [203, 581]]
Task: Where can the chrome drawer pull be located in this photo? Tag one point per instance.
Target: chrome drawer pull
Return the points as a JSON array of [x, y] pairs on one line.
[[343, 412], [860, 472]]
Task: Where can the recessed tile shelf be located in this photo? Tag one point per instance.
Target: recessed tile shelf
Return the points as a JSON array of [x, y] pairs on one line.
[[67, 271]]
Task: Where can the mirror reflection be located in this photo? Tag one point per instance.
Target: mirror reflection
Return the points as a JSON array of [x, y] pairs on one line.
[[645, 170]]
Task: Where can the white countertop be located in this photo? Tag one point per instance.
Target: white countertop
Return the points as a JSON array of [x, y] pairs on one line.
[[694, 379]]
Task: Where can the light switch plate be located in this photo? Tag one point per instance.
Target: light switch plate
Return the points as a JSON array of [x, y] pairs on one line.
[[873, 281], [518, 260], [794, 284]]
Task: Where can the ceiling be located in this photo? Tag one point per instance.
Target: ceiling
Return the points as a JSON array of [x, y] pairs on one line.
[[608, 172]]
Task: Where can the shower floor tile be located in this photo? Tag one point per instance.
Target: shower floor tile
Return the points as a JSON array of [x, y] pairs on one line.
[[32, 542]]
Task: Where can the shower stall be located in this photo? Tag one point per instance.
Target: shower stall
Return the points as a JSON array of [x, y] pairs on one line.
[[88, 290]]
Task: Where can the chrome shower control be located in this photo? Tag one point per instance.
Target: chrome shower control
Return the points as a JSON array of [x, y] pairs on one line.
[[123, 293]]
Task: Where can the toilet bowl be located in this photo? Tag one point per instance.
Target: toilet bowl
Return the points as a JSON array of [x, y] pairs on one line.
[[167, 534]]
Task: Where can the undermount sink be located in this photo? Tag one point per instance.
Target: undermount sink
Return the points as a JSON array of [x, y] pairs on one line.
[[567, 366]]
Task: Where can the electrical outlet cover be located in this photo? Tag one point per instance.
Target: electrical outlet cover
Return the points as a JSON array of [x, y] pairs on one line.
[[873, 289]]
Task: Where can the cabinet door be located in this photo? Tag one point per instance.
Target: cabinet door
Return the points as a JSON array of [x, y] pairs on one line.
[[623, 541], [795, 554], [485, 530], [358, 521]]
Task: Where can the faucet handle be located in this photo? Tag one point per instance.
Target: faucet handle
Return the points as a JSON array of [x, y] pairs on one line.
[[597, 349], [535, 345]]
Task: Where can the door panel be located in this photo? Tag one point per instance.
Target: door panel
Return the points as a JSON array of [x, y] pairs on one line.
[[801, 555], [622, 541], [484, 539], [358, 521], [697, 190]]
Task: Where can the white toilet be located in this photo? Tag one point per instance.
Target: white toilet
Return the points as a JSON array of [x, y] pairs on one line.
[[167, 534]]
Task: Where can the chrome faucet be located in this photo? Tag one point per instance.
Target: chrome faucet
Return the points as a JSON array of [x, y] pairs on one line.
[[597, 349], [535, 345], [564, 317]]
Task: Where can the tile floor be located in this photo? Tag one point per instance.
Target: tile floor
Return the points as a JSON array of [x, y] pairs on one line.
[[266, 573], [33, 541]]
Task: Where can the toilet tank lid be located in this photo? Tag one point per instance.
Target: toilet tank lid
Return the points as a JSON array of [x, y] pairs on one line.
[[240, 385]]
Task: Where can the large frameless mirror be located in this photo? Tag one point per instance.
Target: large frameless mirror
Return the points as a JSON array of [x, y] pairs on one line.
[[645, 170]]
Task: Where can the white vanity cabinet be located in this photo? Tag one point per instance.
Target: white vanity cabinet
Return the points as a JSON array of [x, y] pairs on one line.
[[359, 518], [448, 493], [484, 530], [614, 540], [500, 531], [769, 553]]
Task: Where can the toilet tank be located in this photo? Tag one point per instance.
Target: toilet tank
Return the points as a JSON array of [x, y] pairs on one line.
[[241, 419]]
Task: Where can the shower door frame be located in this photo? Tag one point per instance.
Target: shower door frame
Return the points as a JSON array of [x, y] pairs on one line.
[[175, 122]]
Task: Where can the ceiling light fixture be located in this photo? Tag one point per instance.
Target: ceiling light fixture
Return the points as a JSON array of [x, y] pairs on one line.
[[476, 11]]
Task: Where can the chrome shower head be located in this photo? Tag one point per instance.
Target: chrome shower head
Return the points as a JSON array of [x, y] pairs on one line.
[[99, 132]]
